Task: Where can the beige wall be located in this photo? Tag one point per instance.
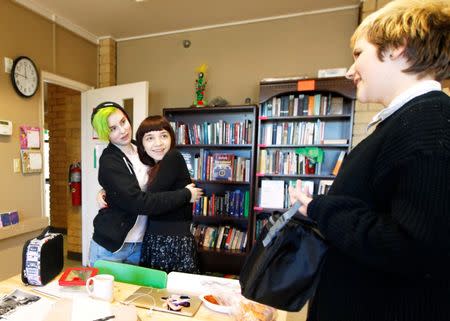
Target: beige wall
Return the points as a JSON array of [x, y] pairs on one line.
[[238, 57], [22, 32]]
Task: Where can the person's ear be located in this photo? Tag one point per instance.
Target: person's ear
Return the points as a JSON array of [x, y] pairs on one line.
[[397, 52]]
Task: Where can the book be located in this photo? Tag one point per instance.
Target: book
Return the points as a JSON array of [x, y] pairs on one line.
[[338, 164], [222, 167], [335, 141], [272, 193], [189, 163], [324, 186], [336, 106], [5, 219]]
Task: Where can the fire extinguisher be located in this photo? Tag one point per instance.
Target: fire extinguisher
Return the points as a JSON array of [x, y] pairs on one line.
[[75, 183]]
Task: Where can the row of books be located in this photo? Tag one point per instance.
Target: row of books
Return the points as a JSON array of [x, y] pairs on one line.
[[220, 237], [217, 166], [296, 133], [303, 105], [288, 162], [232, 204], [275, 193], [220, 132]]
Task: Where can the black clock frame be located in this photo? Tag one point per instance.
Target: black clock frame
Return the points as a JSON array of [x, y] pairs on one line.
[[16, 60]]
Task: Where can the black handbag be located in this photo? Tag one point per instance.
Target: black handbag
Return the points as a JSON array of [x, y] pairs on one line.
[[42, 258], [283, 267]]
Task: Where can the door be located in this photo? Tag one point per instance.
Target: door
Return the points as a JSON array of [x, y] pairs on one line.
[[134, 97]]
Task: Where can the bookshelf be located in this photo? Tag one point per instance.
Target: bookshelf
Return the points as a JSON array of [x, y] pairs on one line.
[[304, 130], [218, 144]]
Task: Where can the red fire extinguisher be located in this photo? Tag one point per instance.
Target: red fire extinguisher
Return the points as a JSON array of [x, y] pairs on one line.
[[75, 183]]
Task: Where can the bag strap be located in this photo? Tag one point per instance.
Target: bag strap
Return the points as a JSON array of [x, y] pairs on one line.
[[280, 223]]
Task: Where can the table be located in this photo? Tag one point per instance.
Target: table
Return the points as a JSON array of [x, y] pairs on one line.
[[123, 290]]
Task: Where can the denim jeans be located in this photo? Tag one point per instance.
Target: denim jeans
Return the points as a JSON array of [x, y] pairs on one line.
[[129, 253]]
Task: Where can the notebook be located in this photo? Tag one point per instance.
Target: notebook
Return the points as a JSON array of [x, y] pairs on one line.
[[156, 299]]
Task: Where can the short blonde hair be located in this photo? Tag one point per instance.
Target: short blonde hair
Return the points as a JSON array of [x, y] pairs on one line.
[[422, 25]]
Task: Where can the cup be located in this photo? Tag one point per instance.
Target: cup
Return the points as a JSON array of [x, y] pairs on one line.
[[101, 287]]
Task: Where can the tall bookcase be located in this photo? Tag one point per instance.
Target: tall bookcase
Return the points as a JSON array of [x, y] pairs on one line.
[[219, 146], [300, 122]]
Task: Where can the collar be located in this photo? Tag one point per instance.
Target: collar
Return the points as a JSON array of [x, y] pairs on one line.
[[398, 102]]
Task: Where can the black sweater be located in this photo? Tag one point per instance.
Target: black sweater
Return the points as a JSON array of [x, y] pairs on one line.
[[387, 219], [126, 200], [172, 175]]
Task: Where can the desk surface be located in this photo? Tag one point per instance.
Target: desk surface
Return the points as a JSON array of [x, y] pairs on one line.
[[123, 290]]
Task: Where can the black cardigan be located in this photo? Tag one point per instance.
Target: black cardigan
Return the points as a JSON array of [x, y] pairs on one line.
[[387, 219], [126, 200], [173, 174]]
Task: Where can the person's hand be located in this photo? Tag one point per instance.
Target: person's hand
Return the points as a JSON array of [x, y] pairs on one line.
[[196, 192], [297, 194], [101, 199]]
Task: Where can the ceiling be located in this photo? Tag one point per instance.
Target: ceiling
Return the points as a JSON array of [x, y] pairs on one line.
[[125, 19]]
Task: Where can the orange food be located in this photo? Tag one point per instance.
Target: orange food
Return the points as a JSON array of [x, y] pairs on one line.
[[211, 298]]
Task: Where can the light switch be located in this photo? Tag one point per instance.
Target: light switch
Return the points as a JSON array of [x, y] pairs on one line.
[[16, 164], [8, 62]]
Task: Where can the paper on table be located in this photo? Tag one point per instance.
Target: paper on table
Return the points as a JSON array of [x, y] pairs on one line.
[[20, 305], [55, 290], [90, 309], [195, 284]]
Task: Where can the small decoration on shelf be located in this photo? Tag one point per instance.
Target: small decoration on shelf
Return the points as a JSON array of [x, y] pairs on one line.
[[218, 101], [200, 84], [313, 157]]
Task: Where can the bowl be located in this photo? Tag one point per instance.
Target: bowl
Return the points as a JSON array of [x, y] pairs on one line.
[[213, 306]]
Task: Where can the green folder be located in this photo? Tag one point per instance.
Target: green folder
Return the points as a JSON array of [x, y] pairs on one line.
[[133, 274]]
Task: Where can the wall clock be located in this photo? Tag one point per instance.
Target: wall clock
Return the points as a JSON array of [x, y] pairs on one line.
[[24, 76]]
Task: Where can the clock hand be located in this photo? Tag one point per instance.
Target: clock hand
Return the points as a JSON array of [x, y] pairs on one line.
[[16, 73]]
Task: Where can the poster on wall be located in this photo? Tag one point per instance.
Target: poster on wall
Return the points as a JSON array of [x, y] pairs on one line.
[[31, 161], [30, 137]]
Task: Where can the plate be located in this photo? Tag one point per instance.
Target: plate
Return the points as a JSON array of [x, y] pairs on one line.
[[215, 307]]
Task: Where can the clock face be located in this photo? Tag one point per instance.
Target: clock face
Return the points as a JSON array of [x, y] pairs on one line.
[[24, 76]]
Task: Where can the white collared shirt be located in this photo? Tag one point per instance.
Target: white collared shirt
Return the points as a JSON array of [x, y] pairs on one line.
[[398, 102]]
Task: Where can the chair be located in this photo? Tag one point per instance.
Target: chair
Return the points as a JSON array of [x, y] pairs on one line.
[[133, 274]]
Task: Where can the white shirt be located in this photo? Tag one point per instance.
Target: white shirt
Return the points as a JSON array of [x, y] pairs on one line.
[[398, 102], [136, 234]]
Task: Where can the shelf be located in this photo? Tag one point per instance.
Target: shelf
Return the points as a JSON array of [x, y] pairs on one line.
[[305, 117], [215, 146], [219, 219], [24, 226], [324, 109], [213, 252], [303, 176], [241, 127], [220, 182], [260, 210], [205, 110], [300, 146]]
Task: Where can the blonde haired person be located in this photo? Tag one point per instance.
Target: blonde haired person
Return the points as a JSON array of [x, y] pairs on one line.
[[387, 214]]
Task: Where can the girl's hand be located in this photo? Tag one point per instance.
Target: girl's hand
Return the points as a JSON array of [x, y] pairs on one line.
[[196, 192], [297, 194], [101, 199]]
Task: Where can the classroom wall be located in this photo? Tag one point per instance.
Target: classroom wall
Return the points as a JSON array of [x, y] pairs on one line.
[[238, 57], [55, 50]]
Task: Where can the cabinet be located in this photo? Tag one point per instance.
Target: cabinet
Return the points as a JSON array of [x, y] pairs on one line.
[[305, 130], [218, 144]]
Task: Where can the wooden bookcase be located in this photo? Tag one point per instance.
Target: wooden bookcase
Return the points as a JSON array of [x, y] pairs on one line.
[[289, 126], [203, 134]]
